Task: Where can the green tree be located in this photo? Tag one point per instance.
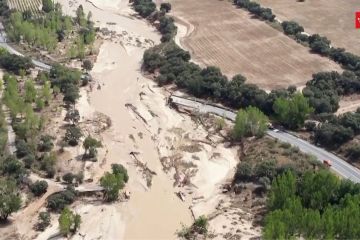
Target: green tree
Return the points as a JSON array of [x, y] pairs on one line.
[[72, 135], [282, 189], [318, 189], [292, 112], [249, 122], [69, 222], [120, 169], [46, 92], [40, 104], [113, 182], [12, 167], [47, 6], [10, 200], [71, 94], [80, 16], [275, 228], [90, 145], [30, 91]]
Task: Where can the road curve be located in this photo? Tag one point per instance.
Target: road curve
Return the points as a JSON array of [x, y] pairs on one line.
[[11, 50], [339, 166]]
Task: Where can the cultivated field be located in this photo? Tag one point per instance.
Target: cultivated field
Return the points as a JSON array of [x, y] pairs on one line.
[[331, 18], [21, 5], [231, 39]]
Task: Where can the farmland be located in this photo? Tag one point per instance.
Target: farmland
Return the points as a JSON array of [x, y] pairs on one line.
[[22, 5], [232, 40], [331, 18]]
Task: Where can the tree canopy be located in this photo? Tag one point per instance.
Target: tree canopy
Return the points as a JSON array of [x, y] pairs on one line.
[[69, 222], [114, 182], [315, 205], [249, 122], [293, 111], [10, 200]]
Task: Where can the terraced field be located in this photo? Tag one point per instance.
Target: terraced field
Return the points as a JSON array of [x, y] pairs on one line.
[[231, 39], [22, 5]]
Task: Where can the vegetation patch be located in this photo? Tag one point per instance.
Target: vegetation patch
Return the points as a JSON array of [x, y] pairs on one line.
[[314, 205]]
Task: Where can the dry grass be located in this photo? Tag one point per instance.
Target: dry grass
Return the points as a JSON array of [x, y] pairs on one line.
[[332, 18], [282, 153], [231, 39]]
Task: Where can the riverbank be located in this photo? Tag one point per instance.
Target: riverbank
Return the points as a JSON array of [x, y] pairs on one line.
[[161, 137], [177, 163]]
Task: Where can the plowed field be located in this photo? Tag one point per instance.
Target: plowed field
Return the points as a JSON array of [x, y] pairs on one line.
[[230, 38], [331, 18]]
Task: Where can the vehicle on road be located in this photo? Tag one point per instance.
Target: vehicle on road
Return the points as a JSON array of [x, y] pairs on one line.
[[327, 163]]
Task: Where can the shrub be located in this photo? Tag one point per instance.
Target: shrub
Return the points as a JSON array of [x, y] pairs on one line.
[[87, 65], [72, 135], [29, 160], [291, 27], [43, 221], [332, 136], [266, 169], [144, 7], [244, 172], [46, 144], [353, 152], [310, 126], [79, 177], [201, 225], [319, 44], [68, 177], [22, 148], [165, 7], [285, 145], [47, 164], [59, 201], [39, 187]]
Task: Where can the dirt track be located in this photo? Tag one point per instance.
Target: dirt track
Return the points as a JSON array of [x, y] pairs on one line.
[[331, 18], [231, 39]]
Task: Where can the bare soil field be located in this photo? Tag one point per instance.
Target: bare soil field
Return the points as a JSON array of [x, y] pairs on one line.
[[331, 18], [222, 35]]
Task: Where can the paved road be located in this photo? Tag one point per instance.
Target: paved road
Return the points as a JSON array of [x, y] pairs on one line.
[[11, 50], [338, 165]]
